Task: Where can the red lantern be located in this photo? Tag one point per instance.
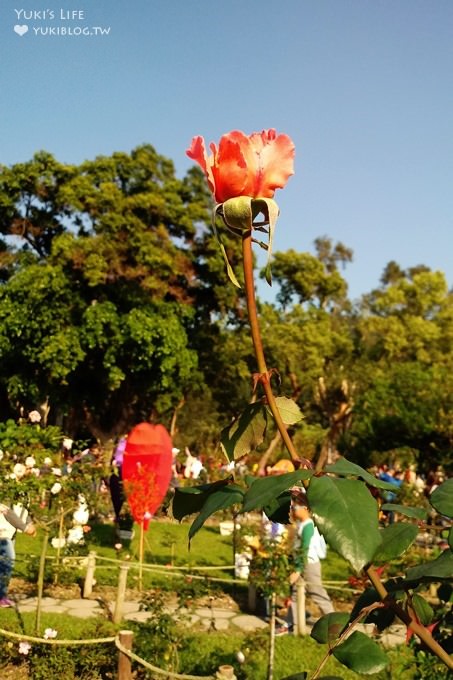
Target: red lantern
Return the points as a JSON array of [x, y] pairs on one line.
[[146, 470]]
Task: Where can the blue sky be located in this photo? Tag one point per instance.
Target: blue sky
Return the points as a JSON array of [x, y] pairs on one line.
[[364, 88]]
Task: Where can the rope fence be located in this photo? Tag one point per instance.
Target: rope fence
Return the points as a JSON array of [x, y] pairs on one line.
[[123, 642]]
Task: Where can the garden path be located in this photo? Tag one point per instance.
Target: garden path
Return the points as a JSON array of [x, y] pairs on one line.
[[209, 618]]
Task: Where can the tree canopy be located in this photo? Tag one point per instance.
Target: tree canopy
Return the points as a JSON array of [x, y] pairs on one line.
[[115, 306]]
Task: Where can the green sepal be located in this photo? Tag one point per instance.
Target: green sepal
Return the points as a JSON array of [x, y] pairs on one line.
[[271, 211], [237, 213], [229, 268]]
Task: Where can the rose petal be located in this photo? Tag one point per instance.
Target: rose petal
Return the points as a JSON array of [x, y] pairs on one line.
[[276, 162], [197, 152], [230, 167]]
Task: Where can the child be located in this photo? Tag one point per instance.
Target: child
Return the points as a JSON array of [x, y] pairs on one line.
[[308, 548]]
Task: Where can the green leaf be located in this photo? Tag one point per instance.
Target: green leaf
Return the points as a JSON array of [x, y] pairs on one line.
[[245, 433], [344, 468], [442, 498], [424, 611], [297, 676], [381, 618], [450, 538], [361, 654], [190, 499], [329, 627], [347, 516], [263, 491], [278, 510], [396, 539], [289, 410], [416, 513], [440, 568], [219, 500]]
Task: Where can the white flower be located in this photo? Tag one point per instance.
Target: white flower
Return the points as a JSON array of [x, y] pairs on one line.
[[12, 476], [67, 443], [1, 454], [56, 471], [24, 647], [50, 633], [58, 542], [147, 515], [30, 462], [36, 471], [56, 488], [19, 470], [34, 417], [240, 657], [75, 535], [48, 461]]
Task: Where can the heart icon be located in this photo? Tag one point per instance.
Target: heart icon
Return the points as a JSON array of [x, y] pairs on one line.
[[21, 30]]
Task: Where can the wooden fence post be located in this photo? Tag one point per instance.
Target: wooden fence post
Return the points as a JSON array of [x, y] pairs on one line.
[[124, 662], [300, 608], [225, 673], [120, 593], [89, 576], [251, 598]]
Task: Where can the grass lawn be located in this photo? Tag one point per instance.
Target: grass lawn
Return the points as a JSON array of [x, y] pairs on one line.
[[166, 542]]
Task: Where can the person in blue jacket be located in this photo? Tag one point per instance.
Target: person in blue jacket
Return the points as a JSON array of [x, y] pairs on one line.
[[10, 522]]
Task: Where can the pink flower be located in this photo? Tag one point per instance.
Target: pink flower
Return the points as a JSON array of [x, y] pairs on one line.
[[254, 165], [24, 648], [50, 633]]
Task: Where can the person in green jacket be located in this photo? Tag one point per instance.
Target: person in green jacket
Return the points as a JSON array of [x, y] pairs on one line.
[[309, 548]]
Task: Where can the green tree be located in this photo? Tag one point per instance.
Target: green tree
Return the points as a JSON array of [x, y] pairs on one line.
[[404, 366], [104, 270]]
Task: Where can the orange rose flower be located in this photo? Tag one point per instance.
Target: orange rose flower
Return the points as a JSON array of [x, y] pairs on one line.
[[254, 165]]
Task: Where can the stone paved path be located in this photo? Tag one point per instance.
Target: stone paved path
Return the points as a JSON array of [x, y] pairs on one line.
[[215, 618]]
